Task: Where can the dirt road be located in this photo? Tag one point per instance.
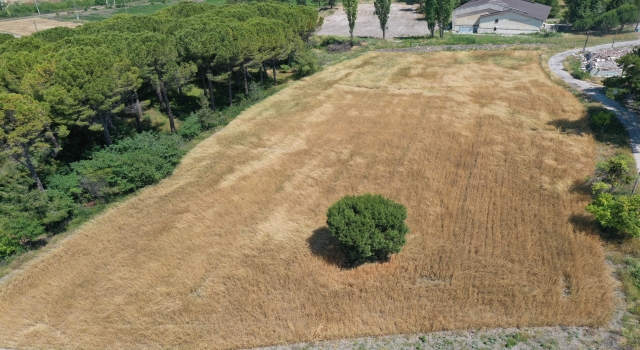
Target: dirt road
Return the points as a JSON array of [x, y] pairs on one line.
[[403, 21], [628, 118]]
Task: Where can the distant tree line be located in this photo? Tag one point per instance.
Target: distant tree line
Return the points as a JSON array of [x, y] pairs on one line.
[[73, 130]]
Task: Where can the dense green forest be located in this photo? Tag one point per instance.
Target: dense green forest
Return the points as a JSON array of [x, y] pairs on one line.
[[73, 129]]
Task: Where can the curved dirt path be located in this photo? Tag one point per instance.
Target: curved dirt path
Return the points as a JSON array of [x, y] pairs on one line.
[[628, 118]]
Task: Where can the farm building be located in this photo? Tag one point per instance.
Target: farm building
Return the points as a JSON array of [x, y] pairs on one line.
[[500, 17]]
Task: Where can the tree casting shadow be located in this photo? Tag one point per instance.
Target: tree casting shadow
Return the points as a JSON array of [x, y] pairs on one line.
[[324, 245]]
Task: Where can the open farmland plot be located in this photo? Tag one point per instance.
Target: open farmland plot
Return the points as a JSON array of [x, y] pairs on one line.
[[29, 26], [232, 250]]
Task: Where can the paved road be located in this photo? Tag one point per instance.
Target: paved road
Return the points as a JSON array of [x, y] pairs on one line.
[[628, 118]]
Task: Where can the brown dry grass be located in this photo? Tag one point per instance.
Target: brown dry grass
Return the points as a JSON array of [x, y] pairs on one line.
[[27, 27], [231, 251]]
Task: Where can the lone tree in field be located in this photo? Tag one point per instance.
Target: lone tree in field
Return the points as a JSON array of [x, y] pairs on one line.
[[369, 227], [383, 8], [351, 9]]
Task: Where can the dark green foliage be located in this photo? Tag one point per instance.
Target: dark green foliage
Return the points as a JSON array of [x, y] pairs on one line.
[[305, 63], [207, 118], [601, 119], [27, 213], [369, 227], [382, 10], [190, 128], [578, 9], [126, 166], [5, 37], [76, 99], [608, 20], [629, 82]]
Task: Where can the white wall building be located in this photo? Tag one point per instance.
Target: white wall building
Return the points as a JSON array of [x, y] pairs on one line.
[[500, 17]]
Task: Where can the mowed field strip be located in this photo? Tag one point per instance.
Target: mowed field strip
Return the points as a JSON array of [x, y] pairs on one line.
[[29, 26], [232, 251]]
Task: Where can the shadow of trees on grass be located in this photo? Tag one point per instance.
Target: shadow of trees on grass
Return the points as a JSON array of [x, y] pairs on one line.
[[326, 246]]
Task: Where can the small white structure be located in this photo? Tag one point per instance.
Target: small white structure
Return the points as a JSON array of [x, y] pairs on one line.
[[500, 17]]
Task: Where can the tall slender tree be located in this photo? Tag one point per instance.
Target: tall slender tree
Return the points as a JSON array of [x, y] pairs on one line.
[[430, 16], [444, 9], [382, 10], [351, 9]]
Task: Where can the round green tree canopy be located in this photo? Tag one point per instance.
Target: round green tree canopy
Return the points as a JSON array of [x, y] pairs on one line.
[[369, 227]]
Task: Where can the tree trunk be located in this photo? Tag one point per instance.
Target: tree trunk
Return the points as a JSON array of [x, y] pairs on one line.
[[105, 129], [139, 115], [229, 84], [204, 85], [616, 34], [212, 100], [56, 145], [383, 34], [262, 75], [244, 73], [275, 82], [585, 42], [172, 123], [32, 170], [160, 97]]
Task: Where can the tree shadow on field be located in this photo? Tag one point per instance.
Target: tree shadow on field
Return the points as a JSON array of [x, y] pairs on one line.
[[581, 187], [587, 223], [576, 127], [326, 246]]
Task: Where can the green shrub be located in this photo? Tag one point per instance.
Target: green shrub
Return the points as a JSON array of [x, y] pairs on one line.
[[369, 227], [126, 166], [306, 63], [190, 128], [284, 68], [616, 171], [619, 212], [601, 118]]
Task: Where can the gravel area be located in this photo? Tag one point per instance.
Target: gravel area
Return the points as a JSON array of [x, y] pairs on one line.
[[404, 21]]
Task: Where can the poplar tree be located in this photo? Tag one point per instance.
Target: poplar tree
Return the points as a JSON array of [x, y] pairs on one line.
[[382, 10], [430, 15], [443, 11], [351, 9]]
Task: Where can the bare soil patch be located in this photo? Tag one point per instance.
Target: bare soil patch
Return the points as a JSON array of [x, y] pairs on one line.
[[29, 26], [232, 251], [403, 21]]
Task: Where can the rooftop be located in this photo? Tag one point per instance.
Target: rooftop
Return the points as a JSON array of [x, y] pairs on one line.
[[528, 8]]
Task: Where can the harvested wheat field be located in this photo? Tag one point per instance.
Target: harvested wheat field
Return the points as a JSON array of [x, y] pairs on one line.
[[29, 26], [232, 250]]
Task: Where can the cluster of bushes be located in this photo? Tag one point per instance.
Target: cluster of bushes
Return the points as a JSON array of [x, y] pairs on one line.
[[615, 206], [131, 163]]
